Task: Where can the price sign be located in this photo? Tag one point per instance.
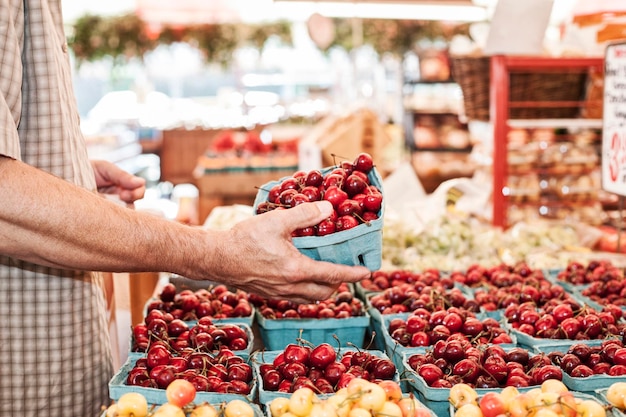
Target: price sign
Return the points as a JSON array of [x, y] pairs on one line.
[[614, 123]]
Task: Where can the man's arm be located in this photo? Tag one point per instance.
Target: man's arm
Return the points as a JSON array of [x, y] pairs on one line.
[[52, 222]]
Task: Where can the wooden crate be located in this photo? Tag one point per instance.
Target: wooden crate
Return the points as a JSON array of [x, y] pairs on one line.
[[236, 187], [180, 150]]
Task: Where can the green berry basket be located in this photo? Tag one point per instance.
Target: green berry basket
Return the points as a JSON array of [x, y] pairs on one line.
[[361, 245]]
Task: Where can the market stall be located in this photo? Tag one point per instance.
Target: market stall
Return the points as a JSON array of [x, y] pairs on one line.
[[486, 200]]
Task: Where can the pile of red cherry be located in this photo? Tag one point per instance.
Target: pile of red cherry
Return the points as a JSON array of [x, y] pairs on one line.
[[425, 328], [179, 336], [382, 280], [322, 369], [538, 291], [610, 290], [501, 275], [582, 360], [347, 187], [566, 319], [596, 270], [458, 361], [217, 302], [223, 372], [343, 304], [408, 297]]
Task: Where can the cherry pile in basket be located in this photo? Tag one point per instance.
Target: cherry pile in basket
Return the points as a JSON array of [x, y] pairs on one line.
[[347, 187], [322, 368]]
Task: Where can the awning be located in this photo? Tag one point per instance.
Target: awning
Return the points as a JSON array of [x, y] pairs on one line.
[[186, 12]]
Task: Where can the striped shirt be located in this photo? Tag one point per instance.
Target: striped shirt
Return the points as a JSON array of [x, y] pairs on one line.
[[53, 331]]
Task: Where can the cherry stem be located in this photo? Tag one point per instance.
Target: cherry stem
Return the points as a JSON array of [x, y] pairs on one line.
[[338, 343], [362, 220], [334, 155]]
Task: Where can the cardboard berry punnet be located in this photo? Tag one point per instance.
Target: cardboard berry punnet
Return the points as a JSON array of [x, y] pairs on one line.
[[357, 245]]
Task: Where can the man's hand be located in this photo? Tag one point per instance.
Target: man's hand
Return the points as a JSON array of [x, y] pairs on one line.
[[112, 180]]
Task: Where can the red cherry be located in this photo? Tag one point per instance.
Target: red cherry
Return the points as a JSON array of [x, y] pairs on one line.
[[346, 222], [168, 292], [334, 372], [349, 207], [271, 380], [373, 202], [286, 197], [363, 162], [335, 195], [296, 353], [322, 355], [312, 193], [354, 184], [314, 178], [430, 372], [325, 227], [289, 184], [333, 180]]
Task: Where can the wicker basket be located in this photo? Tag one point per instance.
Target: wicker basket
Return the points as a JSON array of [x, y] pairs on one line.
[[473, 76]]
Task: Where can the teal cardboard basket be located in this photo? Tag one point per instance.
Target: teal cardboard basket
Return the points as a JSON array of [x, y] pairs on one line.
[[591, 383], [361, 245], [278, 333], [601, 395], [118, 387]]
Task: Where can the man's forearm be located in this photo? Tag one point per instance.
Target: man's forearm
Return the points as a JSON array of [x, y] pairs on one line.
[[48, 221]]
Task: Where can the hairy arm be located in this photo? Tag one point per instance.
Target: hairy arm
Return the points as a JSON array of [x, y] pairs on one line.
[[48, 221]]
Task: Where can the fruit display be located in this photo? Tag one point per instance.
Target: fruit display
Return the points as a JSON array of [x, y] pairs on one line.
[[552, 398], [358, 398], [457, 361], [355, 199], [439, 347], [176, 335], [180, 395], [321, 368], [216, 302]]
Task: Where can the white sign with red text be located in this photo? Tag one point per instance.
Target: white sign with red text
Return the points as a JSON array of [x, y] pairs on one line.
[[614, 120]]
